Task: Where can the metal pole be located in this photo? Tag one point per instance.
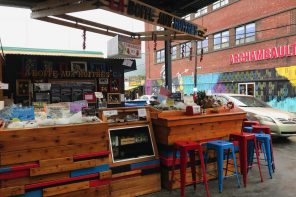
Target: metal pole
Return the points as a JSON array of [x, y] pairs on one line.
[[195, 69], [168, 65]]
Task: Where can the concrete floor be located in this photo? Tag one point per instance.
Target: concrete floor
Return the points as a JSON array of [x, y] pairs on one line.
[[283, 183]]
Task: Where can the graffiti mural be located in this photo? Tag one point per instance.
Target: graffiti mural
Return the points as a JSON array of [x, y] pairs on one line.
[[276, 86]]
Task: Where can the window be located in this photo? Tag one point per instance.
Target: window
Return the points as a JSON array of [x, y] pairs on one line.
[[219, 4], [201, 12], [187, 17], [245, 34], [160, 56], [221, 40], [174, 52], [203, 45], [185, 49], [246, 88], [158, 28]]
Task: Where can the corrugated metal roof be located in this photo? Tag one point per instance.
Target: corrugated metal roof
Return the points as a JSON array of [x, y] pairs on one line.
[[51, 52]]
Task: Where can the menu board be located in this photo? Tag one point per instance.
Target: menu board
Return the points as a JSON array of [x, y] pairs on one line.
[[131, 143]]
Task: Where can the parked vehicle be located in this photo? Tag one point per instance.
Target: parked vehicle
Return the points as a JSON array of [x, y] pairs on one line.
[[147, 98], [281, 123]]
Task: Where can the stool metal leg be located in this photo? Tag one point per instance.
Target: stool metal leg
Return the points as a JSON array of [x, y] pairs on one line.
[[235, 166], [269, 157], [220, 153], [183, 162], [203, 168], [258, 158], [193, 169]]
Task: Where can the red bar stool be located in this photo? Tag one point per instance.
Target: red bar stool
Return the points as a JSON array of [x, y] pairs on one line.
[[189, 147], [242, 140], [266, 130]]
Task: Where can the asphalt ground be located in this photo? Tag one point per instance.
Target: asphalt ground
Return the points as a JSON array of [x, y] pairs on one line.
[[283, 183]]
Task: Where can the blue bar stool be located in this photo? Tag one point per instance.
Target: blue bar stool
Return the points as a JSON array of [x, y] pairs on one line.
[[220, 146], [248, 129], [264, 139]]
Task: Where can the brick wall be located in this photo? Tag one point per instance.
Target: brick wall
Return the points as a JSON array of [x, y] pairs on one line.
[[276, 15]]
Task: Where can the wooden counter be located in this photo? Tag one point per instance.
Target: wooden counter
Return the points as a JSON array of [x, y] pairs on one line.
[[172, 126], [176, 126], [55, 161]]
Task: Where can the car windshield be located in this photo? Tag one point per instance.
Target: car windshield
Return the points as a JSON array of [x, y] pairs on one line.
[[250, 101]]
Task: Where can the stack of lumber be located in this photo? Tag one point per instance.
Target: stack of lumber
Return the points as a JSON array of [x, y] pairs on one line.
[[59, 161]]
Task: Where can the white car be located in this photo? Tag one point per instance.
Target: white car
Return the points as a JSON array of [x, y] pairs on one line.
[[147, 98], [281, 123]]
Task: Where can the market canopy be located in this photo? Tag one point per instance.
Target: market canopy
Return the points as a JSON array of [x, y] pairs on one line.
[[164, 13]]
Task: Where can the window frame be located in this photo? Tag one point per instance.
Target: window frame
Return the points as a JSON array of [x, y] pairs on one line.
[[201, 12], [221, 44], [159, 58], [174, 55], [243, 38], [205, 48], [220, 3]]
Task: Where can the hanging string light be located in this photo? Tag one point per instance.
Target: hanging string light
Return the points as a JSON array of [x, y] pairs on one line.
[[183, 51]]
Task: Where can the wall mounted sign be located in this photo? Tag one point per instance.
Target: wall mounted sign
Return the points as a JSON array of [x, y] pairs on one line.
[[124, 47], [264, 54], [150, 14], [66, 74]]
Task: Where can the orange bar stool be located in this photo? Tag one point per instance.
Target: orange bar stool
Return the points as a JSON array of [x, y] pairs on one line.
[[265, 130], [242, 140], [190, 147]]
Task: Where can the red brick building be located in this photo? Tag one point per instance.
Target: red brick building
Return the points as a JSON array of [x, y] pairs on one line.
[[250, 48]]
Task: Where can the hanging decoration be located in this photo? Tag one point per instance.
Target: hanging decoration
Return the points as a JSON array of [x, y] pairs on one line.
[[183, 50], [155, 42], [84, 39], [190, 53]]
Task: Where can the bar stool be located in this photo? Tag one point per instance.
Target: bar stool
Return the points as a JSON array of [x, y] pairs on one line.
[[243, 139], [220, 146], [189, 147], [249, 123], [265, 139], [266, 130], [248, 129]]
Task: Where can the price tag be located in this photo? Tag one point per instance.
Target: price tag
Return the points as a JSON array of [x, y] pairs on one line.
[[99, 95], [142, 113], [110, 113], [122, 98], [3, 86]]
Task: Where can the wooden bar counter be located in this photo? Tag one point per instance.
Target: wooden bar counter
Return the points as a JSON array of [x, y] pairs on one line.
[[172, 126], [69, 160], [176, 126]]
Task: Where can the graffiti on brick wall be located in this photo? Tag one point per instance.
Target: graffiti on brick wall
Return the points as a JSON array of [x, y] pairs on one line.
[[276, 86]]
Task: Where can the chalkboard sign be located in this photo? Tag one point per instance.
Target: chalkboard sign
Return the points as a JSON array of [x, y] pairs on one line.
[[177, 96], [131, 143]]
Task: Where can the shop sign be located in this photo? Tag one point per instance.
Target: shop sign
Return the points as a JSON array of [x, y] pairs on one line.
[[66, 74], [264, 54], [149, 14], [124, 47]]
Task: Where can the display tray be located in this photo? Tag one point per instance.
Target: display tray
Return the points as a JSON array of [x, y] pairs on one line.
[[130, 143]]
